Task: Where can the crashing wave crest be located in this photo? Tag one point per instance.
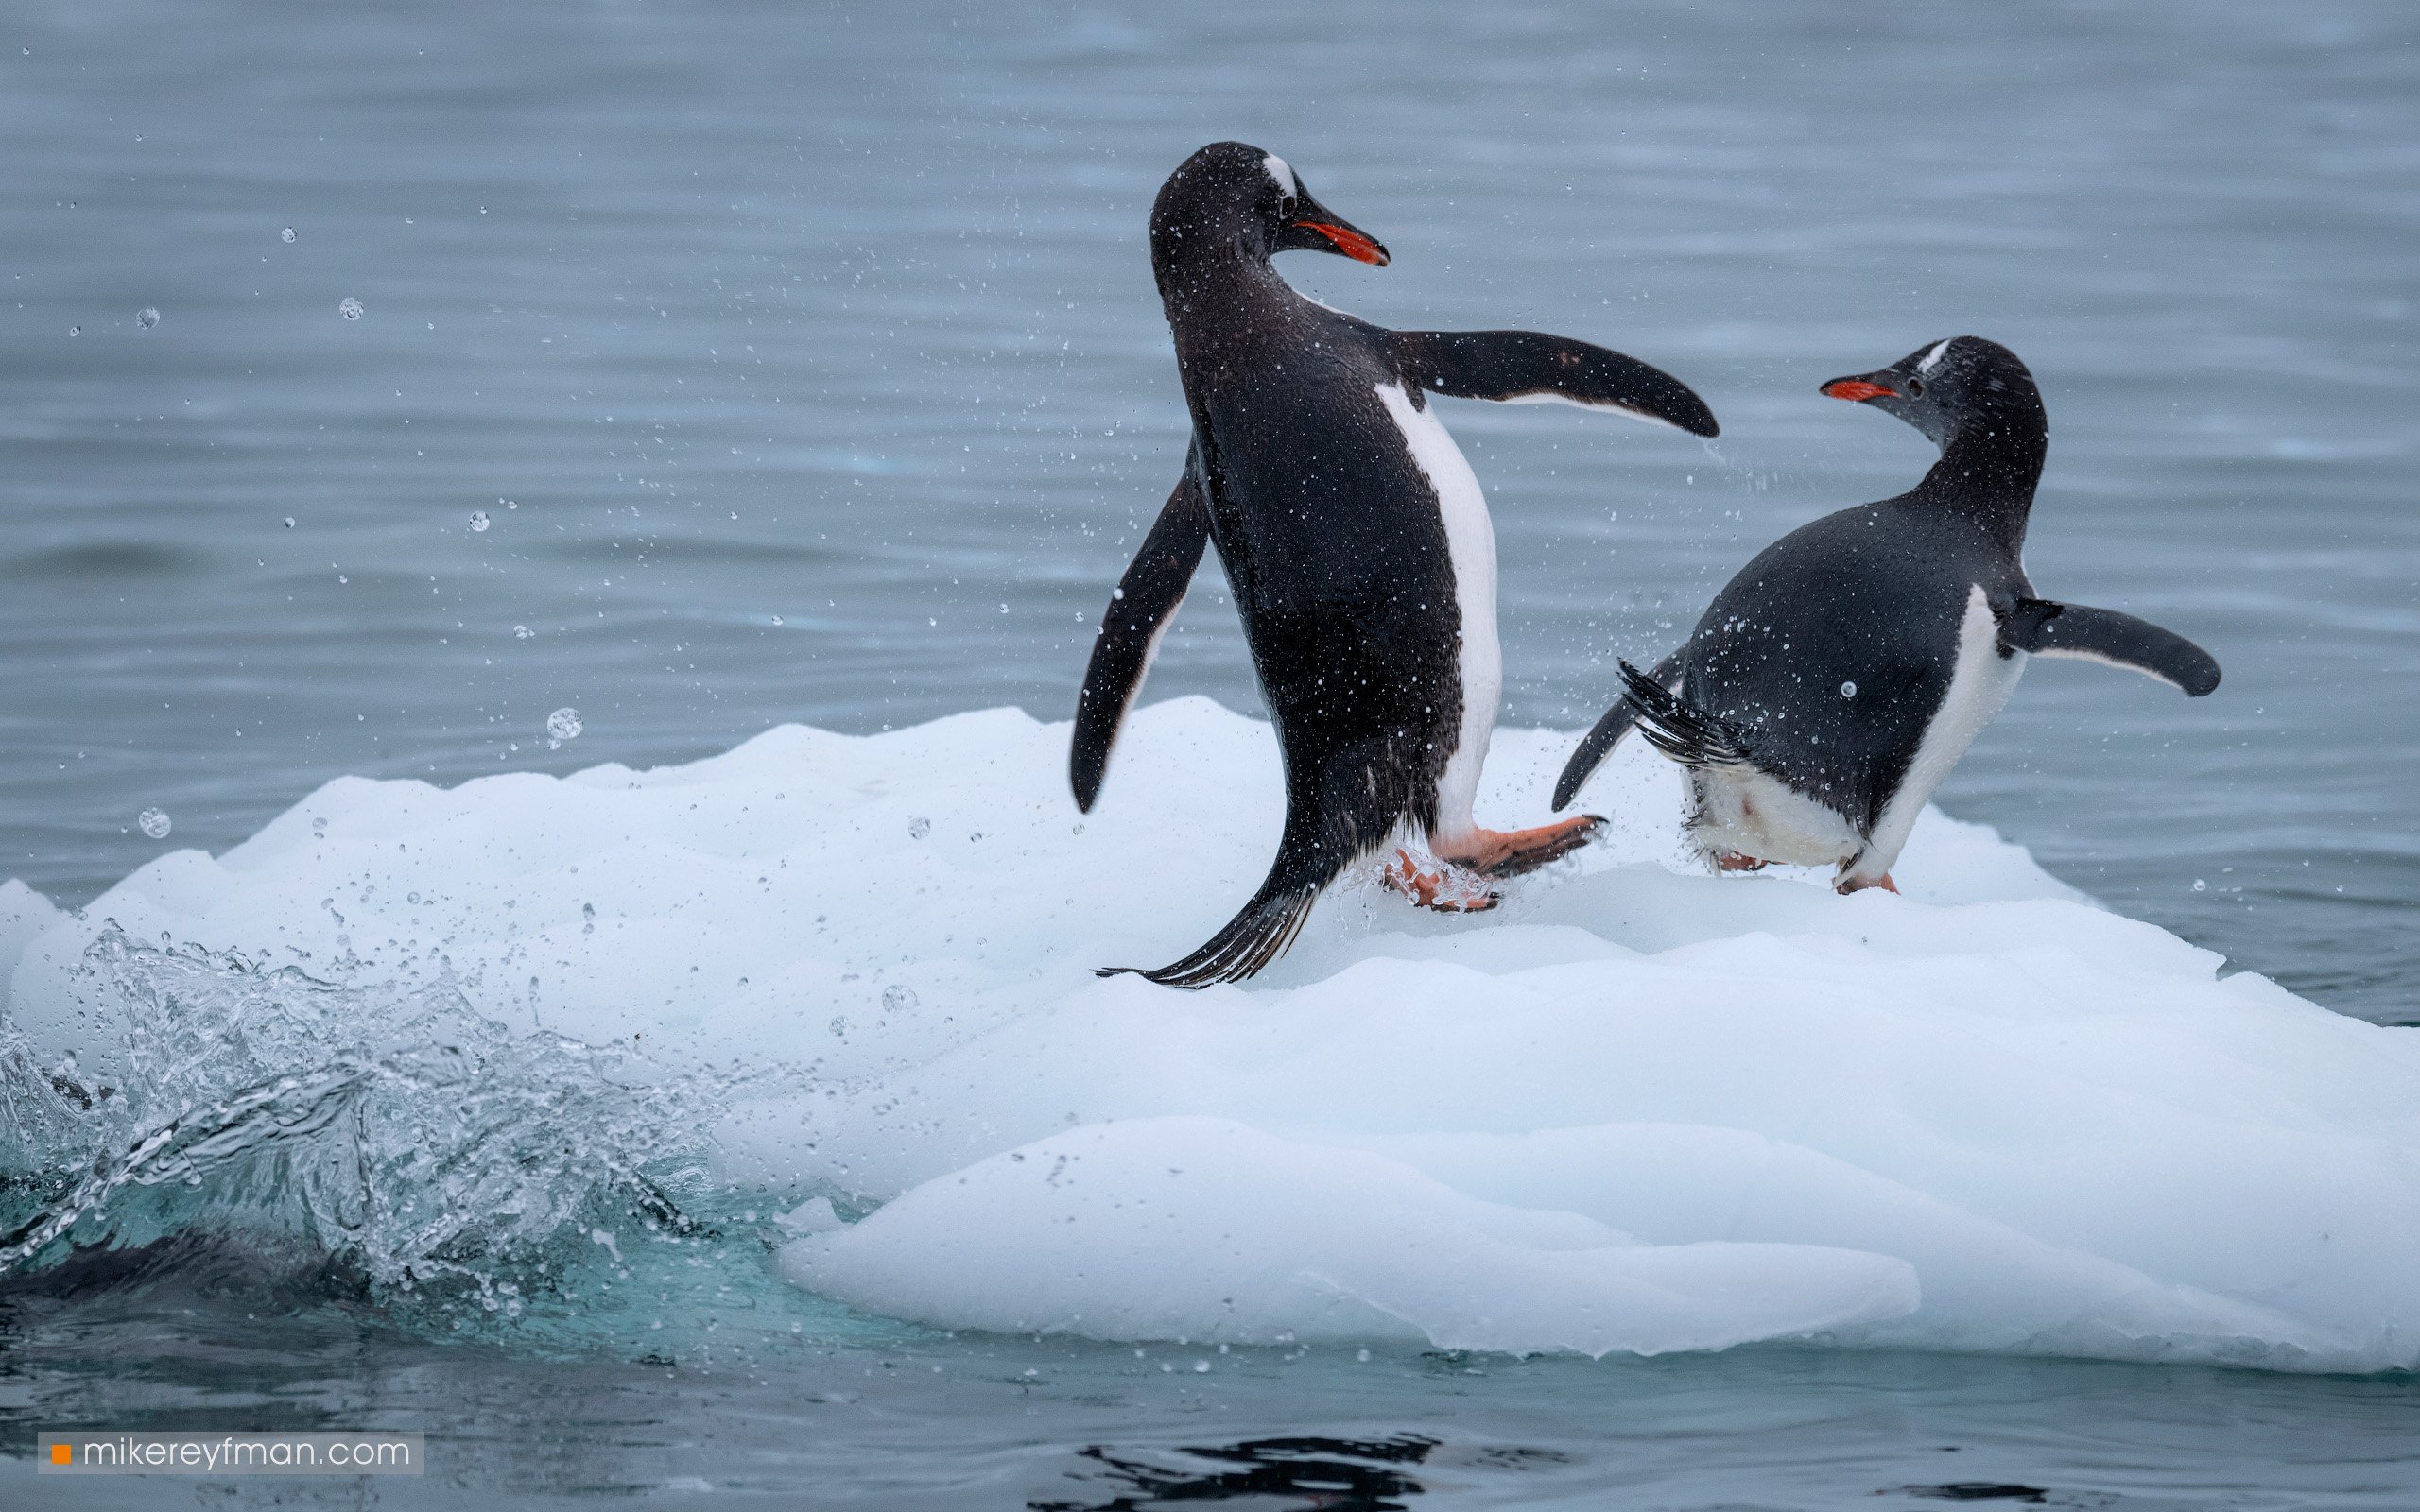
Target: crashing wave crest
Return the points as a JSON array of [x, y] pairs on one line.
[[391, 1126]]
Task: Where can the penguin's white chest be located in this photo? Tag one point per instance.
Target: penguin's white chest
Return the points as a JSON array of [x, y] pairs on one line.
[[1980, 680], [1740, 809], [1470, 543]]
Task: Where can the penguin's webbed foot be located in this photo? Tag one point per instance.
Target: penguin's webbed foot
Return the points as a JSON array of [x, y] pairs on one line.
[[1850, 885], [1737, 860], [1510, 852], [1443, 886]]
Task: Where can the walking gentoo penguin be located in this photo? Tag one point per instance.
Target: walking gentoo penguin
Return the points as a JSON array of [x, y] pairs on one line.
[[1834, 683], [1357, 541]]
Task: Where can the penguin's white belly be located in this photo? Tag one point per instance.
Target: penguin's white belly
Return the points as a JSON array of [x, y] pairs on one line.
[[1470, 541], [1738, 808], [1979, 684]]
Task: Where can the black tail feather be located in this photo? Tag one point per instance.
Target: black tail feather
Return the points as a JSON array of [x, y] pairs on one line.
[[1257, 935], [1355, 802], [1681, 730], [1604, 737]]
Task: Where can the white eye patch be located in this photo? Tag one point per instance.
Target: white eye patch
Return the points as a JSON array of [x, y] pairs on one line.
[[1283, 175], [1932, 358]]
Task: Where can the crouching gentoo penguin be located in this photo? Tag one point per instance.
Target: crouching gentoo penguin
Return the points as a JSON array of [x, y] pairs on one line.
[[1354, 537], [1836, 680]]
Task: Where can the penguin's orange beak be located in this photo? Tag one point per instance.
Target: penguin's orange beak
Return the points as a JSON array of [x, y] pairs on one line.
[[1348, 241], [1858, 389]]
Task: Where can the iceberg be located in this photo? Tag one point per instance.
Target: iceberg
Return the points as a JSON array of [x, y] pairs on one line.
[[1637, 1109]]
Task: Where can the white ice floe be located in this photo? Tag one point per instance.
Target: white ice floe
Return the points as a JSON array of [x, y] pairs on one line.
[[1207, 1228], [1637, 1109]]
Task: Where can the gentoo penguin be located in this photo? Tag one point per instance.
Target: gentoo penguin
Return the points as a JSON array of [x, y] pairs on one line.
[[1354, 537], [1834, 683]]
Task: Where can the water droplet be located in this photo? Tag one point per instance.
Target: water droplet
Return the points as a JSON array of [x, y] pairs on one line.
[[522, 633], [290, 521], [918, 829], [348, 307], [478, 519], [75, 330], [899, 998], [2198, 886], [1848, 690], [155, 823], [840, 1028], [563, 724], [149, 317], [588, 919], [777, 619], [286, 235]]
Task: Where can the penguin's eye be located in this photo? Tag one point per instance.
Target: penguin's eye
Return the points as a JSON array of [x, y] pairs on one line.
[[1915, 388], [1285, 207]]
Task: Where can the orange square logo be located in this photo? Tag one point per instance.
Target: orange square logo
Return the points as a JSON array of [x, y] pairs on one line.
[[61, 1455]]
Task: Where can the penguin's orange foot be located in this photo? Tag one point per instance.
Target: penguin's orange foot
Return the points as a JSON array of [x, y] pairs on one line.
[[1849, 885], [1734, 861], [1446, 888], [1510, 852]]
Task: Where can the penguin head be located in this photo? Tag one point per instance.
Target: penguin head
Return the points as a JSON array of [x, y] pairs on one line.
[[1948, 388], [1232, 197]]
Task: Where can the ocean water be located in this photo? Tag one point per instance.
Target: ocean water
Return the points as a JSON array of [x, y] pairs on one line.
[[713, 366]]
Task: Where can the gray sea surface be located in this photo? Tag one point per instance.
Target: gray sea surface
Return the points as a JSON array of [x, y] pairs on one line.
[[706, 365]]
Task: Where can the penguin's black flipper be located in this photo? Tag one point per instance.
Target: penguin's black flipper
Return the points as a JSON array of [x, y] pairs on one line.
[[1138, 614], [2049, 628], [1681, 730], [1604, 735], [1529, 367]]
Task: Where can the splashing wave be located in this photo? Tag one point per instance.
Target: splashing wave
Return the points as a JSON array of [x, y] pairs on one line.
[[390, 1125]]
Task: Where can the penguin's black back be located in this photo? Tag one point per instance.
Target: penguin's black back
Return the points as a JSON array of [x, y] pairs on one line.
[[1333, 542], [1837, 642]]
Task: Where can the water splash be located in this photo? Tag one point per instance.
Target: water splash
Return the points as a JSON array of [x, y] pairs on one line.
[[388, 1126]]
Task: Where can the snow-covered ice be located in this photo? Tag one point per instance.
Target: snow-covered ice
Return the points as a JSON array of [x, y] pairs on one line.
[[1638, 1109]]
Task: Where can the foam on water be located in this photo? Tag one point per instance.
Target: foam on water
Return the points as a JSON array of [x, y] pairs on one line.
[[1638, 1109]]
